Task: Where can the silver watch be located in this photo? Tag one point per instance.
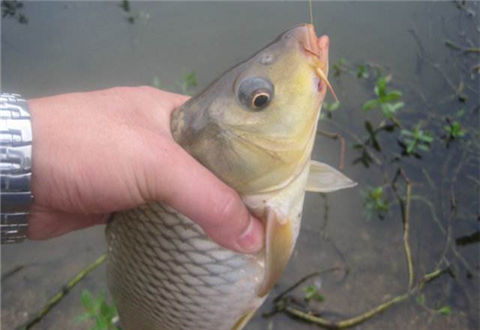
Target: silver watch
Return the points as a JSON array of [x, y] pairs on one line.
[[15, 167]]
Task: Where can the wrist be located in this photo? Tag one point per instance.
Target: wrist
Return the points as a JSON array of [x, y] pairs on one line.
[[15, 167]]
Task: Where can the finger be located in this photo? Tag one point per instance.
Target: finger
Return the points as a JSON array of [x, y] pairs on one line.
[[195, 192]]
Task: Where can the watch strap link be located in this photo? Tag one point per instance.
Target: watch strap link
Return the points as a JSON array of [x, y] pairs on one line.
[[15, 167]]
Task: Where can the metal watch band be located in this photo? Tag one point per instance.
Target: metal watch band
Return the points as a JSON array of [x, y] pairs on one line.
[[15, 167]]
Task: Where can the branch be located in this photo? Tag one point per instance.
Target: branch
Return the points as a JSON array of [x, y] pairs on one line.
[[337, 136], [63, 292]]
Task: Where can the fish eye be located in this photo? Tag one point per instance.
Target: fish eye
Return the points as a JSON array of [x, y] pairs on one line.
[[255, 93]]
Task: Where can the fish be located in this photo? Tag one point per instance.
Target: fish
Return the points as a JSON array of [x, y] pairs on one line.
[[254, 128]]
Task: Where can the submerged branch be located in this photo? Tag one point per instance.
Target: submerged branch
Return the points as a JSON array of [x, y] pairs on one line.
[[405, 208], [282, 303], [356, 320], [63, 292], [337, 136]]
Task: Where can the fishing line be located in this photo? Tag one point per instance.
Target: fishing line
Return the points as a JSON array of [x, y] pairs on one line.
[[310, 11]]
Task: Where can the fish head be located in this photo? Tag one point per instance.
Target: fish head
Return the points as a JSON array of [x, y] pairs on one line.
[[254, 127]]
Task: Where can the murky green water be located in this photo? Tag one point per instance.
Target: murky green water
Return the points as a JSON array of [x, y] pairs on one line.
[[77, 46]]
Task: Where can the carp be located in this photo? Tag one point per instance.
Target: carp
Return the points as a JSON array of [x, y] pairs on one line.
[[254, 128]]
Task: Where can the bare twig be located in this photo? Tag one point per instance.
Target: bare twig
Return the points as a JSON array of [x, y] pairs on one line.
[[465, 50], [63, 292], [282, 301], [405, 208], [307, 316]]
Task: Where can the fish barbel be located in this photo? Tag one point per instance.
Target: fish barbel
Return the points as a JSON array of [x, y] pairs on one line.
[[254, 127]]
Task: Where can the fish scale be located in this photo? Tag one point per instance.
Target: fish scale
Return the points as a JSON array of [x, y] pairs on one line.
[[196, 280]]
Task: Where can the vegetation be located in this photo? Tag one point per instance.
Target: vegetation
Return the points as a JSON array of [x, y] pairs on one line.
[[98, 310], [13, 9], [312, 293]]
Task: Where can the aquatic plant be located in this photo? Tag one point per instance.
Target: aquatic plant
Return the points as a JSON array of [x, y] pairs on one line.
[[375, 202], [329, 108], [311, 292], [98, 310], [13, 8], [454, 130], [187, 82], [415, 139], [386, 98]]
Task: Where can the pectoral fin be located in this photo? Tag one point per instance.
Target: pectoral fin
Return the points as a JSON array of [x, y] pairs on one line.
[[324, 178], [279, 246]]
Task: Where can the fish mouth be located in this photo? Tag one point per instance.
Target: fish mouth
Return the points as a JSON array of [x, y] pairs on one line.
[[311, 45]]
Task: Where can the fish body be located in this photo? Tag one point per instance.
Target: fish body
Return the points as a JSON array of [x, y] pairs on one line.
[[254, 128]]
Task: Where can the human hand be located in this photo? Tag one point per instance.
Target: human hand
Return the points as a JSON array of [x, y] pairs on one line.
[[99, 152]]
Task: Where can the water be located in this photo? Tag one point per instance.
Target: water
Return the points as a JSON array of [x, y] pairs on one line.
[[79, 46]]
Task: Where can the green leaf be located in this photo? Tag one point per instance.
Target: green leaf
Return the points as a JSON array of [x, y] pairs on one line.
[[311, 292], [81, 318], [389, 109], [101, 323], [362, 72], [445, 310], [331, 106], [392, 96], [369, 128], [380, 86], [421, 299], [87, 300], [187, 81], [460, 113], [411, 147], [427, 138], [370, 104]]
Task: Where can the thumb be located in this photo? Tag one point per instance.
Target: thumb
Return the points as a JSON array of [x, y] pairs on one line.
[[195, 192]]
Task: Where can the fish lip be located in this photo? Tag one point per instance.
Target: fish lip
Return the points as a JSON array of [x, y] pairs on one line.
[[309, 42]]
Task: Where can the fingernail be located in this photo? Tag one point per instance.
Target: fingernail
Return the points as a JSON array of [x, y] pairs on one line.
[[251, 240]]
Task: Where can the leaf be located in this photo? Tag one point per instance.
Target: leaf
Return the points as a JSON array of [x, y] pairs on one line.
[[375, 144], [87, 300], [81, 318], [392, 96], [101, 323], [362, 72], [421, 299], [410, 147], [460, 112], [445, 310], [389, 128], [369, 128], [187, 81], [389, 109], [331, 106], [370, 104], [427, 138], [311, 292], [381, 86]]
